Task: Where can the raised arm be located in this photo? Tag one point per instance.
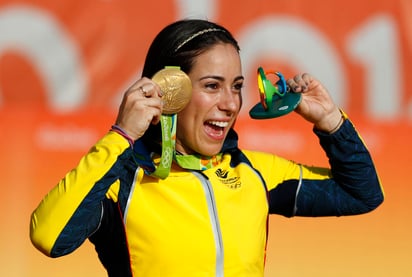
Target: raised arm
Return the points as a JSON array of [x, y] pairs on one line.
[[351, 184], [72, 210], [354, 187]]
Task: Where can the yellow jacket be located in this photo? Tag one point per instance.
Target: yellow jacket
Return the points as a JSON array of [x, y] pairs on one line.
[[209, 223]]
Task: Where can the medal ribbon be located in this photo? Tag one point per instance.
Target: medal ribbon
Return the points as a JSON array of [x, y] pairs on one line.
[[197, 162], [168, 127], [161, 170]]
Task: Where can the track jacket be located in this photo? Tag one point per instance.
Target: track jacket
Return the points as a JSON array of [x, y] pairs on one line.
[[208, 223]]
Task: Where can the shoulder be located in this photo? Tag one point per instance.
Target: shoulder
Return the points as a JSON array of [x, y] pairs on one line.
[[273, 168], [262, 158]]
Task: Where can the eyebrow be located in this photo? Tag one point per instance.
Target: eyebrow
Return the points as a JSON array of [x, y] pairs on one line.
[[220, 78]]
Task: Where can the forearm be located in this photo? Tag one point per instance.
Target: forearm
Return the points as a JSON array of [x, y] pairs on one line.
[[354, 187]]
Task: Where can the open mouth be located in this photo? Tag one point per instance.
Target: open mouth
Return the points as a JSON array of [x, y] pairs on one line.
[[216, 129]]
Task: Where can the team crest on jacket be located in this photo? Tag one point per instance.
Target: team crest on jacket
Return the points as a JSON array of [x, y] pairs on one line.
[[230, 182]]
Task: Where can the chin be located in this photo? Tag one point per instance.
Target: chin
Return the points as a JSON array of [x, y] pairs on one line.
[[210, 152], [207, 147]]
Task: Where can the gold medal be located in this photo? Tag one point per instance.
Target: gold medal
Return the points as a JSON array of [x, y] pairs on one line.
[[176, 87]]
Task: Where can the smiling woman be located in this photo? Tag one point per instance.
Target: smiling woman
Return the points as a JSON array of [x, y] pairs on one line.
[[217, 81], [208, 215]]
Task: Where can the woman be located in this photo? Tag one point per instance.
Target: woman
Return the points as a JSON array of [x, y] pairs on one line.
[[209, 216]]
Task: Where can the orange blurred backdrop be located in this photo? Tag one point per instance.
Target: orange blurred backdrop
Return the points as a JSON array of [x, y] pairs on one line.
[[64, 66]]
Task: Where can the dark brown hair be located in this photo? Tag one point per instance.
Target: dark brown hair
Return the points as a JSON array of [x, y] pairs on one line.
[[179, 43]]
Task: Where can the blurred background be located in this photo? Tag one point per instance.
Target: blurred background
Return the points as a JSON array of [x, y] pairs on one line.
[[65, 64]]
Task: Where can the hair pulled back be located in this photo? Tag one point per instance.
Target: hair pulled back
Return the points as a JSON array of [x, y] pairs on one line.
[[179, 43]]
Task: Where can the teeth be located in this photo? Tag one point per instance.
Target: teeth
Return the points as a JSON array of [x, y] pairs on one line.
[[219, 123]]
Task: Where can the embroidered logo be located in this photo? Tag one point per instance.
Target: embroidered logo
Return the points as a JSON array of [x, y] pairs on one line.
[[221, 173], [230, 182]]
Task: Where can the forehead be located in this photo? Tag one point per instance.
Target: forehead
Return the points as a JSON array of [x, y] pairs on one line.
[[220, 59]]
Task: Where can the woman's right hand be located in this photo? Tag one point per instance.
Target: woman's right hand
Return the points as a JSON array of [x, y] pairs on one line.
[[141, 106]]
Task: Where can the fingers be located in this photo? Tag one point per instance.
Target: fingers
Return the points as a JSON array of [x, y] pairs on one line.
[[141, 97], [146, 88], [316, 105], [145, 94], [150, 90], [300, 82], [141, 106]]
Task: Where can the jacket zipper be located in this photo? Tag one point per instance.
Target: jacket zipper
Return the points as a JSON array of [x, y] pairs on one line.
[[214, 220]]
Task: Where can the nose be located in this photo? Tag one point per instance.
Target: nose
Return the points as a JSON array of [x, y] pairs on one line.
[[229, 101]]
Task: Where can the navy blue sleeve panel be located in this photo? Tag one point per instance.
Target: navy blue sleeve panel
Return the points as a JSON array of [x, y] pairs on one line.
[[282, 199], [110, 241], [87, 217], [354, 188]]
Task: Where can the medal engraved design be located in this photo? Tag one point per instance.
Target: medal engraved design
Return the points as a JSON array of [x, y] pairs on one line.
[[176, 87]]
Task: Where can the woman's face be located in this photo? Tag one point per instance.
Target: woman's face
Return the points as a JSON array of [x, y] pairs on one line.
[[217, 80]]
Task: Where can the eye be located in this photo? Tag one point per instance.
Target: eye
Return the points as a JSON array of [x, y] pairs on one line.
[[212, 86], [237, 87]]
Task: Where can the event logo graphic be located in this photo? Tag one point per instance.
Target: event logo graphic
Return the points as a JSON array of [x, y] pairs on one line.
[[231, 182]]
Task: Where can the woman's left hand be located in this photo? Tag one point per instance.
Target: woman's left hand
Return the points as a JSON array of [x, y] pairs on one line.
[[317, 105]]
